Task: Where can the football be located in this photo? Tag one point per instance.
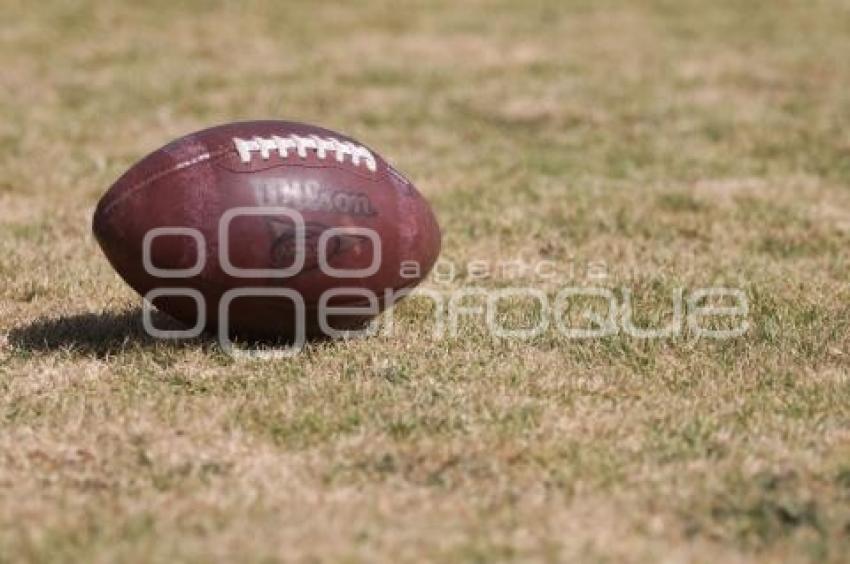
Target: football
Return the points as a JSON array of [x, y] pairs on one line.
[[267, 229]]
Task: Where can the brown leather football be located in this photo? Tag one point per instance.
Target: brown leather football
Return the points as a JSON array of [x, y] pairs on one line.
[[249, 216]]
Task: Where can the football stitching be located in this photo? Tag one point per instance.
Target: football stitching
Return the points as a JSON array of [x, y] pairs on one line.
[[265, 146]]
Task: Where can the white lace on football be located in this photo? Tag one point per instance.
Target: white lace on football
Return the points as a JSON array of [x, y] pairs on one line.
[[265, 146]]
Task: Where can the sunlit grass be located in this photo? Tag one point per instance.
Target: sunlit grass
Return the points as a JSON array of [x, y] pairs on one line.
[[664, 144]]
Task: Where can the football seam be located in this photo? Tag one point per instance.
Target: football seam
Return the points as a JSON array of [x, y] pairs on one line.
[[373, 178], [182, 165], [210, 156]]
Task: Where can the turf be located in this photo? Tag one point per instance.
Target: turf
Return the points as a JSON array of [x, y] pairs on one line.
[[646, 146]]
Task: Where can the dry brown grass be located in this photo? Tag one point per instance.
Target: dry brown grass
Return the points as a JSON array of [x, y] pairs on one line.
[[679, 143]]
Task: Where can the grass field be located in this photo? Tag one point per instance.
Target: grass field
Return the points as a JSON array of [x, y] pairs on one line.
[[679, 143]]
